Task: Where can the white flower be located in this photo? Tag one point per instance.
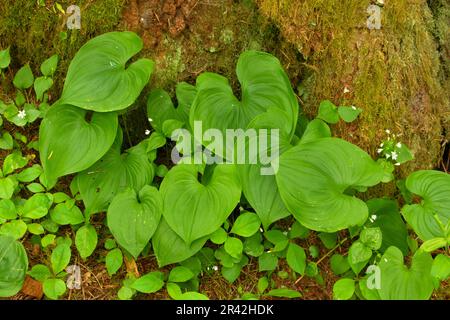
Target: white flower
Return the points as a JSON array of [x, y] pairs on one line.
[[387, 156], [215, 268], [22, 114], [374, 217], [397, 164], [353, 107], [346, 90], [399, 145], [388, 131], [379, 151], [261, 229], [394, 155], [150, 119], [382, 145], [147, 132]]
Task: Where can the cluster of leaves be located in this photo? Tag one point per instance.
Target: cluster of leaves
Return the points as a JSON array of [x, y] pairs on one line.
[[232, 207]]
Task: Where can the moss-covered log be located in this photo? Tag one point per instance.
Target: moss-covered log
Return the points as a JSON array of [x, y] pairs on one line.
[[395, 73]]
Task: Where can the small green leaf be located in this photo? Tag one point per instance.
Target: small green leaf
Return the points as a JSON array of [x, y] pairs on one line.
[[6, 141], [267, 262], [24, 78], [35, 228], [5, 58], [298, 231], [349, 114], [7, 186], [110, 244], [41, 85], [13, 162], [433, 244], [54, 288], [246, 225], [66, 213], [37, 206], [60, 258], [339, 264], [35, 187], [15, 229], [86, 240], [358, 256], [40, 272], [328, 239], [7, 209], [219, 236], [48, 240], [180, 274], [371, 237], [343, 289], [48, 67], [114, 260], [234, 247], [296, 258], [441, 267], [284, 293], [263, 284], [328, 112], [149, 283], [30, 174]]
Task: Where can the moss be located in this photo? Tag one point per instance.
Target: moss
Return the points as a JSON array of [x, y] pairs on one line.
[[33, 31], [392, 73]]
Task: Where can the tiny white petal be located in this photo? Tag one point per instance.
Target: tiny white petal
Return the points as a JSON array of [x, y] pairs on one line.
[[353, 107], [399, 145], [388, 131], [397, 164], [373, 217], [215, 268], [388, 156], [147, 132], [394, 155], [22, 114], [261, 229], [241, 209], [382, 144], [379, 151], [346, 90], [150, 119]]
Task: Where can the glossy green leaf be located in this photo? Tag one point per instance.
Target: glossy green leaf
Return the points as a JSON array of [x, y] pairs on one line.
[[339, 264], [60, 258], [48, 67], [15, 229], [7, 209], [219, 236], [37, 206], [180, 274], [385, 215], [66, 213], [399, 282], [264, 85], [13, 162], [170, 248], [196, 209], [40, 272], [149, 283], [7, 186], [6, 141], [358, 256], [133, 218], [234, 247], [113, 173], [428, 218], [314, 176], [328, 112], [68, 143], [41, 85], [12, 257], [267, 262], [114, 260], [296, 258], [30, 174], [343, 289], [315, 129], [54, 288], [99, 77], [86, 240], [441, 267], [371, 237], [5, 58], [246, 225], [349, 114], [24, 78]]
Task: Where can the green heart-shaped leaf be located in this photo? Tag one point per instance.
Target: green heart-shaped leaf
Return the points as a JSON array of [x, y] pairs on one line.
[[196, 209], [113, 173], [68, 143], [264, 85], [313, 178], [13, 257], [133, 218], [98, 78], [429, 218], [399, 282]]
